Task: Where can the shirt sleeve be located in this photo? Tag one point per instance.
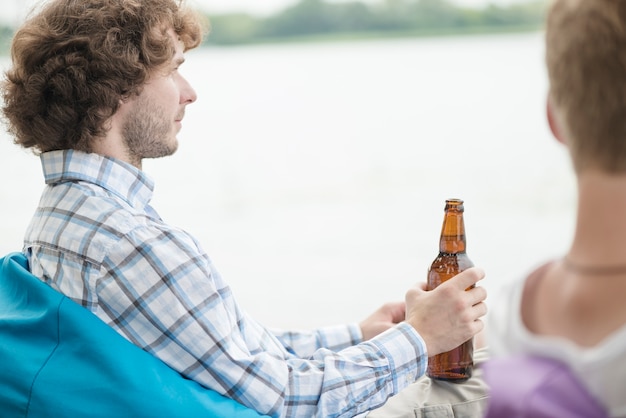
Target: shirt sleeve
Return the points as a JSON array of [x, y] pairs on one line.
[[160, 291], [305, 343]]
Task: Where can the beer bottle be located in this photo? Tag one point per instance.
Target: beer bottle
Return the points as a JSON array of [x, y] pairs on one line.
[[455, 365]]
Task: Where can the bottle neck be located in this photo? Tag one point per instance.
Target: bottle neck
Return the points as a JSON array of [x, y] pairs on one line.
[[452, 239]]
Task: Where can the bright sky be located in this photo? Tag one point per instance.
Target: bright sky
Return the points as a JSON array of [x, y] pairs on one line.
[[15, 10]]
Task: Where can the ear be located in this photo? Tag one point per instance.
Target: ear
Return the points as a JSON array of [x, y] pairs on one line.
[[554, 121]]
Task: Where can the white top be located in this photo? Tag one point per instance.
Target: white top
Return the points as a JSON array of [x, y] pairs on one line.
[[601, 368]]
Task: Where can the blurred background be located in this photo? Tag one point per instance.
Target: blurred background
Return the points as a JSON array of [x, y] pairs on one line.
[[315, 165]]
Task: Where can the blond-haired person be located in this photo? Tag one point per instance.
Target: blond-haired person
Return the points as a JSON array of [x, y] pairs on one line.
[[572, 309]]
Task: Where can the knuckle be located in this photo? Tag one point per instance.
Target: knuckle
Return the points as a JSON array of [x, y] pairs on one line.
[[459, 306], [466, 317], [447, 291]]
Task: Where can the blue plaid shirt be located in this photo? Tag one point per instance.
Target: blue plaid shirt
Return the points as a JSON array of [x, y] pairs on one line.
[[95, 238]]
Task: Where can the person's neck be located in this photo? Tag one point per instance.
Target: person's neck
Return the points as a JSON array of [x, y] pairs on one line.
[[600, 235], [111, 146]]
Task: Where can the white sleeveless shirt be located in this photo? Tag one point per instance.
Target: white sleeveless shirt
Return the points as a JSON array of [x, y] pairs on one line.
[[601, 368]]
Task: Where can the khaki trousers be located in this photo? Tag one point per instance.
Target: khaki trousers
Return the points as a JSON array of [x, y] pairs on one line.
[[429, 398]]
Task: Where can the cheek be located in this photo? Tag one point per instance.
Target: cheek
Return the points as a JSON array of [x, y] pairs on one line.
[[171, 89], [166, 93]]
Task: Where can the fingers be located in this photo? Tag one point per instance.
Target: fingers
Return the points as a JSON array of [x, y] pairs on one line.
[[396, 311], [464, 281], [480, 309], [476, 312], [475, 295], [477, 327], [471, 322], [449, 314], [467, 278]]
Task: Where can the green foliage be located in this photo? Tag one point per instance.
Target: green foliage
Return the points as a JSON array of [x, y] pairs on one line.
[[315, 17], [320, 20], [233, 29], [6, 33]]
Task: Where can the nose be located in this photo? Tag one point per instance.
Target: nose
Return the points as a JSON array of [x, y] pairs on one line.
[[187, 93]]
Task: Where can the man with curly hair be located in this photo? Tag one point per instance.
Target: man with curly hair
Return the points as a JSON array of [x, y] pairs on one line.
[[94, 89]]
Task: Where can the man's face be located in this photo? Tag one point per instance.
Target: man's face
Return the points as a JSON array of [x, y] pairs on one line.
[[152, 120]]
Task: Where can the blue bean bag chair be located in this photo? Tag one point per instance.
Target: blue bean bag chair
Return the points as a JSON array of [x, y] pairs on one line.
[[59, 360]]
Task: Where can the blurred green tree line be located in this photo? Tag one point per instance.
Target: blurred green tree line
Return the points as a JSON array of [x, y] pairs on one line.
[[318, 19]]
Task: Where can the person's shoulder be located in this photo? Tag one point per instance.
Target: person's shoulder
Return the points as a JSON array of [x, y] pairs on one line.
[[505, 326], [89, 219], [510, 295]]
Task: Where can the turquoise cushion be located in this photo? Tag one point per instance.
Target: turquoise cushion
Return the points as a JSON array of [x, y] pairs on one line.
[[58, 359]]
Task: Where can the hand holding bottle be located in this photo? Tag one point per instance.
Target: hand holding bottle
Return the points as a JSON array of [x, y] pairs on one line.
[[457, 364], [448, 315]]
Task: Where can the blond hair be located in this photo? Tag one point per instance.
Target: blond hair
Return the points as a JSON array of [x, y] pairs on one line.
[[586, 60]]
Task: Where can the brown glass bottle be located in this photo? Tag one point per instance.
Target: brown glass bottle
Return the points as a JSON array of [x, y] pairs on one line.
[[455, 365]]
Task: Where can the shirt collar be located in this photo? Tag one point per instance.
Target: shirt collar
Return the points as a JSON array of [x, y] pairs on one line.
[[116, 176]]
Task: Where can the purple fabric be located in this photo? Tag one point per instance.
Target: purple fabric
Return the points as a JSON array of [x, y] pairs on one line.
[[526, 386]]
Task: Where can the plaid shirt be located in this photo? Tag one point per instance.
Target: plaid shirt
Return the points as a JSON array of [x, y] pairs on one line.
[[95, 238]]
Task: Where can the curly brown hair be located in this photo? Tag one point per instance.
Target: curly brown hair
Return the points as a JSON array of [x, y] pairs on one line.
[[75, 60]]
